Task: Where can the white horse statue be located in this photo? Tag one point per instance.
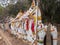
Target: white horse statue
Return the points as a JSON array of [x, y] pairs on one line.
[[54, 34]]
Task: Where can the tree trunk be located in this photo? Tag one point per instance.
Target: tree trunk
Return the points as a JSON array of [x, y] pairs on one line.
[[48, 38]]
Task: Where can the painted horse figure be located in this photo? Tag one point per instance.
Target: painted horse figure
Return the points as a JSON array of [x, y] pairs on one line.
[[41, 34]]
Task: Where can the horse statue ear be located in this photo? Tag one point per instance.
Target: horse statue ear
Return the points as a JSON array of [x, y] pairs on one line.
[[33, 3]]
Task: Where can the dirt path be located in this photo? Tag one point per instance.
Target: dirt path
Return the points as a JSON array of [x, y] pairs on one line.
[[11, 40], [5, 38]]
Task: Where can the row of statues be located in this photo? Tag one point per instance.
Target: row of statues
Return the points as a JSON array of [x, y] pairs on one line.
[[28, 30], [29, 26]]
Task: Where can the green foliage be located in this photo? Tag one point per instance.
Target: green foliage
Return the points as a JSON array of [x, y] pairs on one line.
[[50, 9], [14, 9], [1, 9]]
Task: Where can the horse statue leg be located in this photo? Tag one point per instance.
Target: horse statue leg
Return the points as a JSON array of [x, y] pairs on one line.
[[41, 35], [54, 35]]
